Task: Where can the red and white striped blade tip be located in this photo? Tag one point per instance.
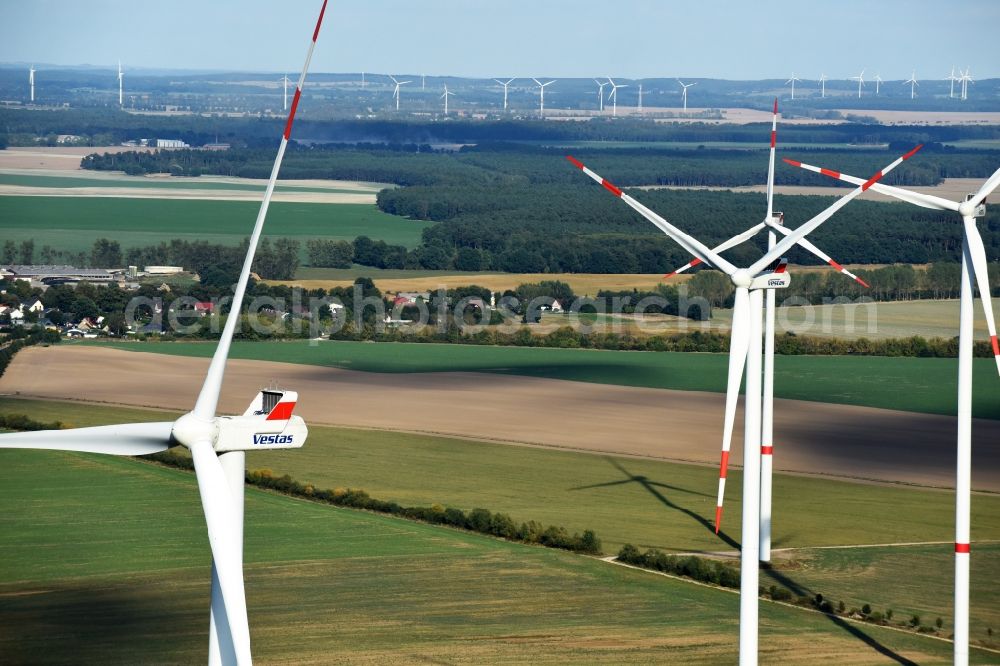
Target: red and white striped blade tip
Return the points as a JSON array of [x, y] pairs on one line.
[[775, 106], [718, 518]]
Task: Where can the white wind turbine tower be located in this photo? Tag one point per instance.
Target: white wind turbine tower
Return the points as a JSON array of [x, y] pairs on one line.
[[423, 82], [363, 83], [218, 446], [613, 96], [284, 80], [446, 95], [974, 266], [395, 92], [541, 95], [822, 83], [913, 84], [860, 78], [792, 81], [745, 351], [639, 108], [504, 84], [121, 84], [600, 94], [952, 78], [774, 222], [878, 82], [685, 86], [31, 82]]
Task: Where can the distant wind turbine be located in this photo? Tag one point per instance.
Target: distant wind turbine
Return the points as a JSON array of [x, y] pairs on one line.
[[541, 95], [363, 80], [966, 80], [952, 78], [639, 108], [395, 92], [685, 92], [822, 83], [600, 94], [284, 80], [121, 85], [504, 84], [613, 96], [878, 81], [446, 95], [31, 82], [913, 83], [860, 78], [792, 81]]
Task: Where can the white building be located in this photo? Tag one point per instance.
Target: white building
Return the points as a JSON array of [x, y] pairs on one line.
[[171, 143]]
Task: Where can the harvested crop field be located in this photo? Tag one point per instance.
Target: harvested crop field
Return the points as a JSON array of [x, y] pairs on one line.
[[814, 438]]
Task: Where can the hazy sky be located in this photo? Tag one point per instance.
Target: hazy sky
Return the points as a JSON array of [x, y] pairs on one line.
[[746, 39]]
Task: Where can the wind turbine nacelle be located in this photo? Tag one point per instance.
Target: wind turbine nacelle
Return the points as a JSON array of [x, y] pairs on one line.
[[771, 281], [268, 423]]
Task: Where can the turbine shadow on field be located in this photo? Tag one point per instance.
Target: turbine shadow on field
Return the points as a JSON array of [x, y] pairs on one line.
[[848, 627], [652, 487]]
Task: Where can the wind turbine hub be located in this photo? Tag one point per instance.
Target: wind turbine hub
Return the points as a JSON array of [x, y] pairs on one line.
[[190, 429], [968, 208], [742, 278]]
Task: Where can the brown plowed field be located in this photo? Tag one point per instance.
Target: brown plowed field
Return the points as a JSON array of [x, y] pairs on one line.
[[816, 438]]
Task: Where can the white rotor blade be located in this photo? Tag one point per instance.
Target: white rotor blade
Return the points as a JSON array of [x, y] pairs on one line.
[[223, 536], [991, 184], [915, 198], [770, 164], [692, 245], [208, 399], [124, 439], [806, 245], [732, 242], [739, 343], [790, 240], [979, 269]]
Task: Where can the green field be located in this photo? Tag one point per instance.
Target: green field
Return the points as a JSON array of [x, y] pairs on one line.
[[105, 561], [73, 223], [653, 504], [910, 384], [153, 183]]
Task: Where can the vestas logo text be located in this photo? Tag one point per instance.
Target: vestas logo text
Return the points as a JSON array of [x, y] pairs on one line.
[[272, 439], [775, 282]]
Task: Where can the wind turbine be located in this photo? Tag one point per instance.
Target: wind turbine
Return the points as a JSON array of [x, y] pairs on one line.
[[685, 86], [423, 82], [952, 78], [284, 80], [446, 95], [121, 84], [639, 108], [541, 95], [31, 82], [974, 266], [966, 80], [913, 83], [878, 82], [218, 446], [363, 83], [822, 83], [395, 92], [613, 96], [600, 94], [745, 351], [792, 81], [860, 78], [774, 222], [504, 84]]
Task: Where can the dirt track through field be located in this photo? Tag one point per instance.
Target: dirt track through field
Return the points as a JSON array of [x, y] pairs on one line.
[[818, 438]]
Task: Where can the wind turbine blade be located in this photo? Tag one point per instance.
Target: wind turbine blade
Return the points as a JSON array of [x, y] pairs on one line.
[[980, 269], [692, 245], [790, 240], [739, 343], [915, 198], [738, 239], [987, 188], [770, 164], [806, 245], [125, 439], [223, 537], [536, 80], [208, 399]]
